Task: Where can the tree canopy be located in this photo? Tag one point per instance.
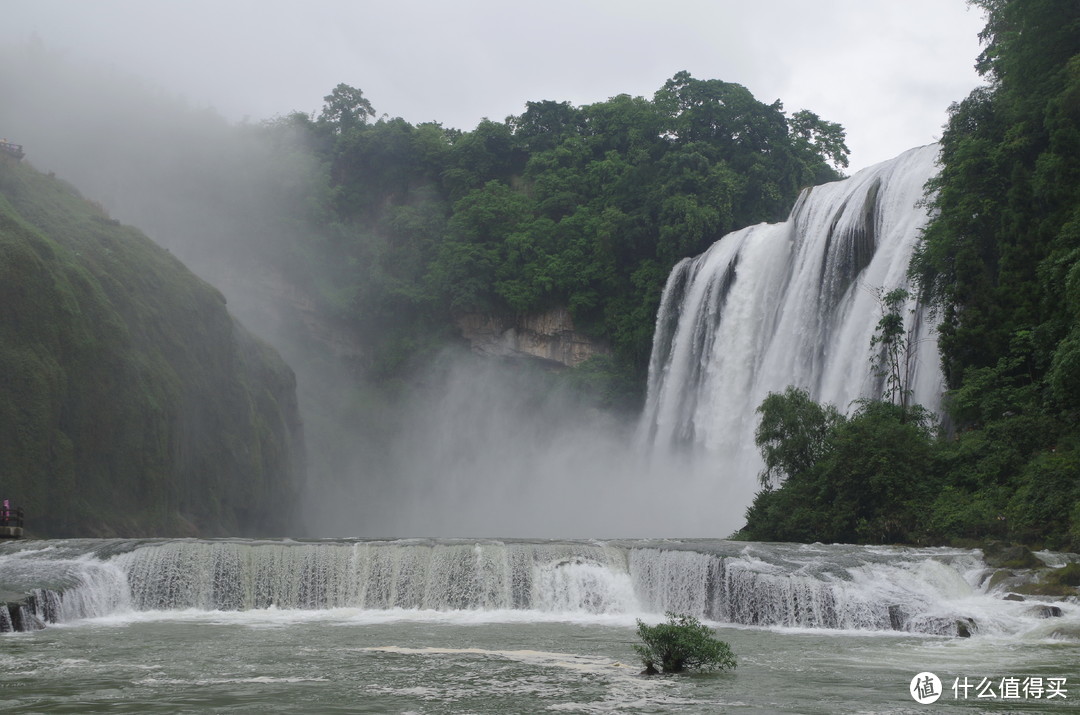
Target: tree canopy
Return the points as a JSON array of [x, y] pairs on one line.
[[584, 207]]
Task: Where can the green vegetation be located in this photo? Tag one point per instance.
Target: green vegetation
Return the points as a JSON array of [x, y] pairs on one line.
[[588, 208], [131, 403], [830, 478], [1000, 260], [893, 347], [683, 643]]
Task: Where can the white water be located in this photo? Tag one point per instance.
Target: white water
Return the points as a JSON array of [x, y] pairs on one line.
[[835, 587], [785, 304], [430, 626]]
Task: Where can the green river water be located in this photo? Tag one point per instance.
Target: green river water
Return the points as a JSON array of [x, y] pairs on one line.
[[348, 661]]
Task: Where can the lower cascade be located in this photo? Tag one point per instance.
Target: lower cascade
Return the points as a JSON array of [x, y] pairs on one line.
[[934, 591]]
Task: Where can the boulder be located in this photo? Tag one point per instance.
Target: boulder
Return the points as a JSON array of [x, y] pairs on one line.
[[1014, 556]]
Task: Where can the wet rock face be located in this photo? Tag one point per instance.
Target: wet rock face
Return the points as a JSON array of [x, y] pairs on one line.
[[30, 613], [549, 336], [965, 627], [1039, 582]]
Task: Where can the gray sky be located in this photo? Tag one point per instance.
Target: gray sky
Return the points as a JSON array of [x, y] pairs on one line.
[[885, 69]]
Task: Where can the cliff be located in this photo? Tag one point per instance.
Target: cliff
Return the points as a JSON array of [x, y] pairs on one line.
[[131, 402], [548, 336]]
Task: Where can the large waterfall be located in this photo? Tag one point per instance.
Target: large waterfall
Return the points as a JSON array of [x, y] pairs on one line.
[[794, 303]]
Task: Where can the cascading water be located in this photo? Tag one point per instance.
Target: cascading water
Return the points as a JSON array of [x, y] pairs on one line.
[[785, 304], [789, 585], [380, 575]]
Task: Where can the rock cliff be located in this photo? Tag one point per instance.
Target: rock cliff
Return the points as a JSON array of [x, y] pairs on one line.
[[548, 336]]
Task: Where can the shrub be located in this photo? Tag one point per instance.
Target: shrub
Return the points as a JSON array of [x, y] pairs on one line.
[[680, 644]]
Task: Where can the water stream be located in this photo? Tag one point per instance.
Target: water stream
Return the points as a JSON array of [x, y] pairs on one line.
[[434, 626]]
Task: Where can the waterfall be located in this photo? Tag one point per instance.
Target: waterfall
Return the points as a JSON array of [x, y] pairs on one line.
[[794, 303], [768, 585], [379, 575], [59, 581]]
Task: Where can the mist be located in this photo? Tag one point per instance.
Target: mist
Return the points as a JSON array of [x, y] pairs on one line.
[[464, 447], [491, 448]]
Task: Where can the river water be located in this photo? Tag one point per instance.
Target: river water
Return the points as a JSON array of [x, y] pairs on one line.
[[148, 640]]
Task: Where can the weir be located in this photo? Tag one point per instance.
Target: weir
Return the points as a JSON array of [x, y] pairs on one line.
[[786, 585]]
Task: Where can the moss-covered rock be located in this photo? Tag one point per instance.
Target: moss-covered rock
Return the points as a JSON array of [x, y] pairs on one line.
[[1051, 582], [1069, 575], [131, 402], [1046, 589], [1010, 556]]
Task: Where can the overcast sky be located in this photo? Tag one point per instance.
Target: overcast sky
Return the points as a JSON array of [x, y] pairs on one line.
[[885, 69]]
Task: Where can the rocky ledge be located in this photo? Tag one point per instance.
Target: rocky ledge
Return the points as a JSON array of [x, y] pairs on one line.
[[549, 336], [29, 612]]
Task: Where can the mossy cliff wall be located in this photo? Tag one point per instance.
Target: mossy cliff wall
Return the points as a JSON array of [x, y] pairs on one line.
[[131, 402]]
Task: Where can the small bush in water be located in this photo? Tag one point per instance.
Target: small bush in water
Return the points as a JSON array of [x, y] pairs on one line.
[[682, 643]]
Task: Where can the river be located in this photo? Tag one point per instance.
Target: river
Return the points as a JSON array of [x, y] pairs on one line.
[[158, 626]]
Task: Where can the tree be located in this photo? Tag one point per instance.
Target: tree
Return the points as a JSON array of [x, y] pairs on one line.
[[720, 112], [861, 479], [792, 434], [820, 138], [593, 205], [544, 125], [680, 644], [345, 108], [876, 476], [892, 347]]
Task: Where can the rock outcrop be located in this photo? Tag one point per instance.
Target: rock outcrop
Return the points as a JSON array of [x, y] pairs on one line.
[[549, 336]]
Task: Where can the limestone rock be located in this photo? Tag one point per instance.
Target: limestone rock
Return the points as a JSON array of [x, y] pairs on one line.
[[549, 336]]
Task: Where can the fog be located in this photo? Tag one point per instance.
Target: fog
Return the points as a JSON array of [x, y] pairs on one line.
[[886, 71], [493, 448], [467, 447]]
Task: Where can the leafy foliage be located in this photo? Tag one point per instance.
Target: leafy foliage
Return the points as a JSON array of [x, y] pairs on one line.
[[682, 643], [841, 479], [894, 347], [1000, 261], [792, 434], [345, 108], [585, 207]]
